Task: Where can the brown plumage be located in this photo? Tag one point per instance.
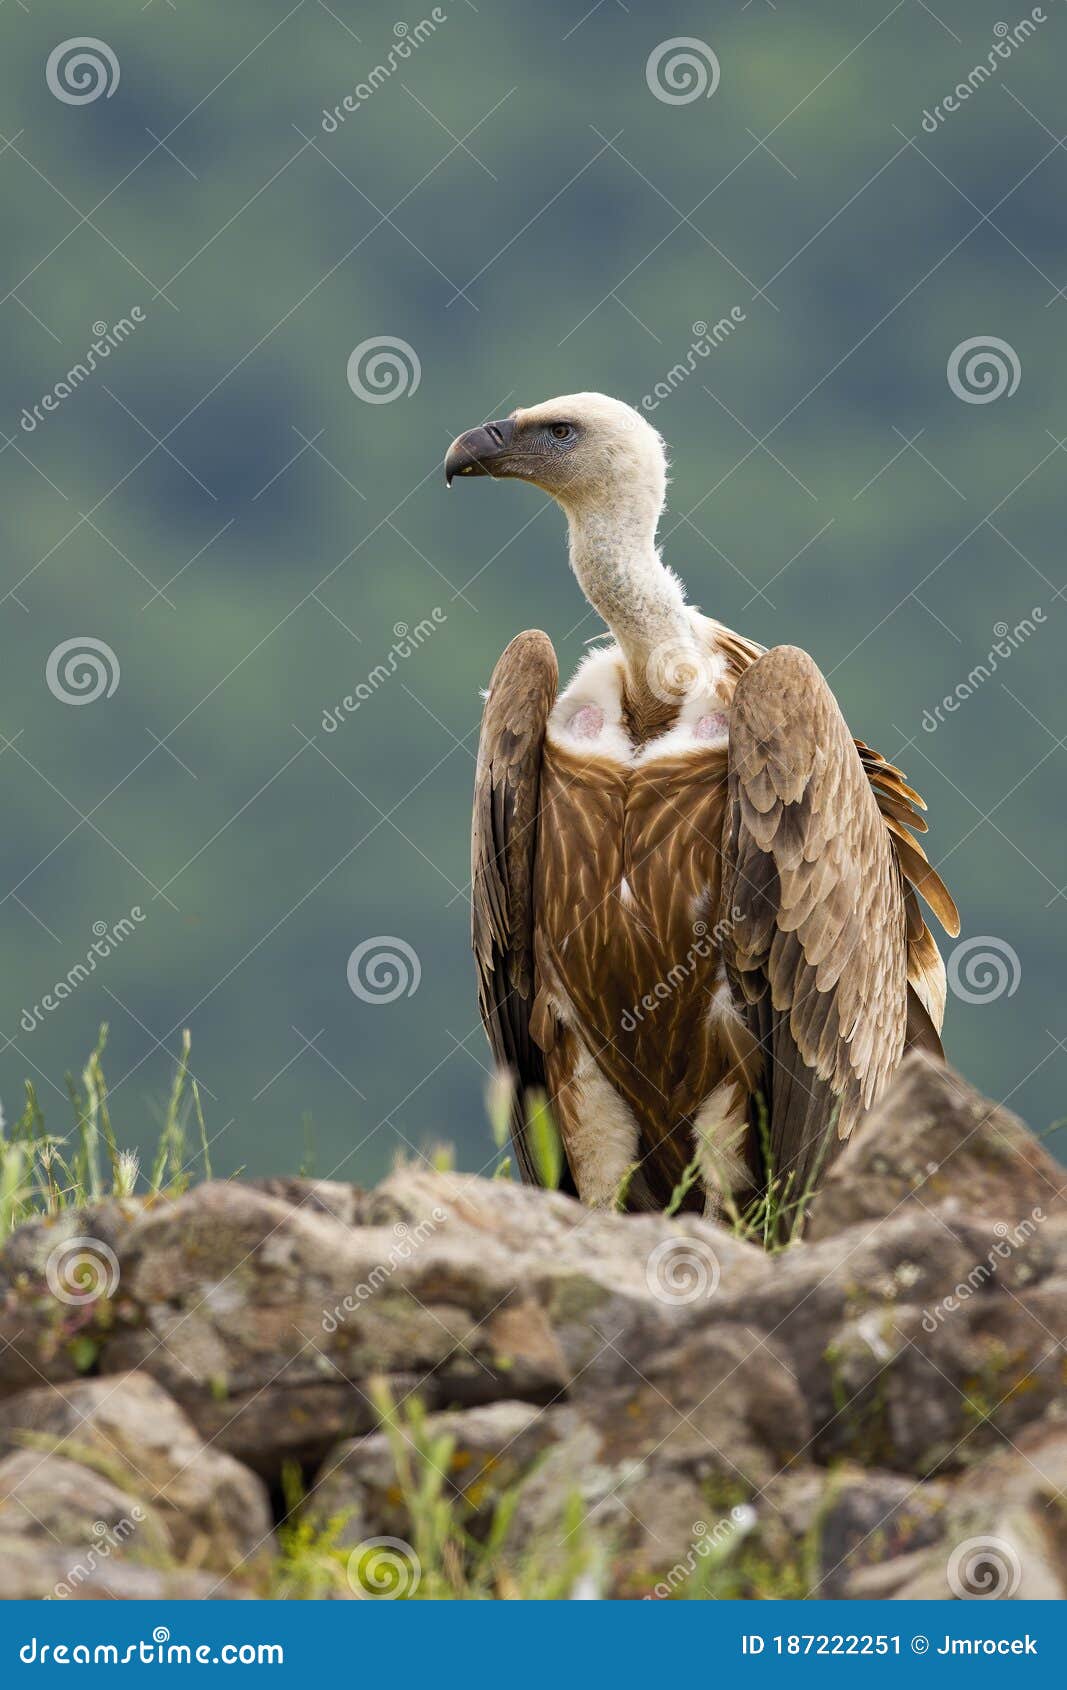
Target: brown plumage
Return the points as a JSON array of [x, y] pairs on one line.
[[694, 892]]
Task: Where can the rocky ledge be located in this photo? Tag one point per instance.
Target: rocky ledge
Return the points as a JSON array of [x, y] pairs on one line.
[[303, 1388]]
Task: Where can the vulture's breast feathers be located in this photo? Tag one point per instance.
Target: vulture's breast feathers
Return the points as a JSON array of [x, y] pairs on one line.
[[628, 892]]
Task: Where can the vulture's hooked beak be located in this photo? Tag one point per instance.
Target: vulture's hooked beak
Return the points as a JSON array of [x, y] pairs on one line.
[[481, 451]]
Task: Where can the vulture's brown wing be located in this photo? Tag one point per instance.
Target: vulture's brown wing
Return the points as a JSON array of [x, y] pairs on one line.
[[901, 809], [503, 845], [824, 922]]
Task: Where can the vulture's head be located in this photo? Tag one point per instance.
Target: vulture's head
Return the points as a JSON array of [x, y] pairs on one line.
[[585, 449]]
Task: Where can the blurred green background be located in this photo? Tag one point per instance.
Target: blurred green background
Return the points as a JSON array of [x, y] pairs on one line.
[[245, 533]]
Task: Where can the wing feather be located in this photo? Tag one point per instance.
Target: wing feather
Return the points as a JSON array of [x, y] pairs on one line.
[[503, 850], [830, 961]]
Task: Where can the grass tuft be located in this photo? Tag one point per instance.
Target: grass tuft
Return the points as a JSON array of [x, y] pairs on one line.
[[42, 1172]]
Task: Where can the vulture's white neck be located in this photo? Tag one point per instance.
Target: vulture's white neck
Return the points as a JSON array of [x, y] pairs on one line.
[[613, 554]]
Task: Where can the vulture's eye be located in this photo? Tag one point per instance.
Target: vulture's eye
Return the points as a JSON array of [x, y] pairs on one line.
[[562, 431]]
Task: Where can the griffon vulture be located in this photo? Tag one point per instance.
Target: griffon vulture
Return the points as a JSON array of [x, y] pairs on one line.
[[695, 918]]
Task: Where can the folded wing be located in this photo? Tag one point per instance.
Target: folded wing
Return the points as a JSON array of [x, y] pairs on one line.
[[829, 958], [503, 848]]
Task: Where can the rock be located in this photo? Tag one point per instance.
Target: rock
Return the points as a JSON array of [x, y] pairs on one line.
[[239, 1315], [845, 1313], [267, 1321], [37, 1340], [283, 1420], [1014, 1500], [701, 1429], [941, 1399], [130, 1430], [721, 1403], [617, 1524], [1003, 1533], [345, 1203], [716, 1410], [820, 1530], [26, 1254], [30, 1572], [480, 1453], [650, 1530], [608, 1404], [58, 1500], [934, 1140], [585, 1280], [60, 1280], [661, 1468], [548, 1227]]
